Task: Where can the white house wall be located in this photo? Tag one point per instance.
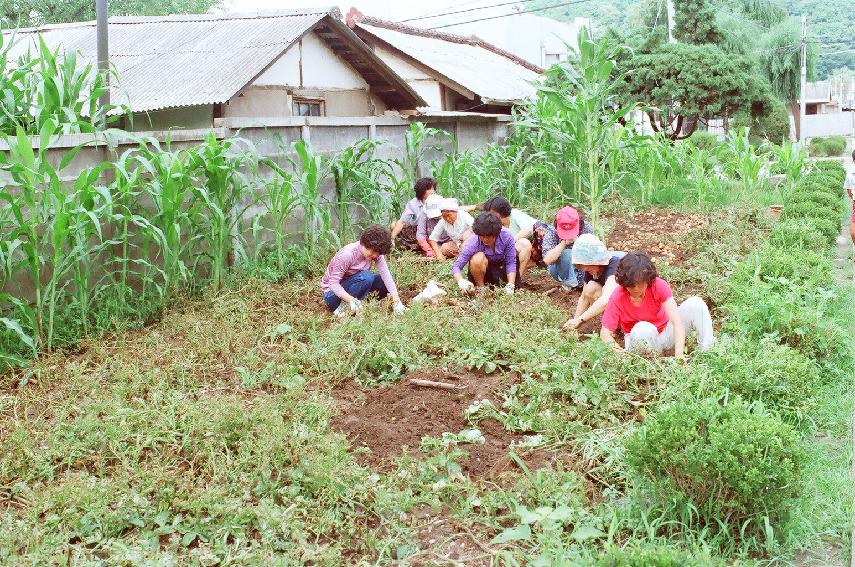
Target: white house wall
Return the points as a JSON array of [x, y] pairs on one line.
[[310, 69], [322, 68], [426, 85]]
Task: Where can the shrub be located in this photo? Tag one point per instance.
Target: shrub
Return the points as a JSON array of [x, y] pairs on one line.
[[772, 263], [734, 463], [809, 319], [772, 125], [704, 140], [779, 376], [800, 233], [830, 146], [649, 555], [819, 198], [833, 168]]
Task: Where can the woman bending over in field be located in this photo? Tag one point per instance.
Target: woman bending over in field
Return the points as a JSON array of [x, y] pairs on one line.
[[599, 266], [643, 307], [349, 278]]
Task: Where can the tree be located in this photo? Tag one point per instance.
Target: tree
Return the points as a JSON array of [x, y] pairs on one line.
[[38, 12], [780, 62], [694, 22], [685, 83]]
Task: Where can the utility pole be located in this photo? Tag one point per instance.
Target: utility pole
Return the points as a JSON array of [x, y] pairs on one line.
[[103, 51], [669, 4], [803, 89]]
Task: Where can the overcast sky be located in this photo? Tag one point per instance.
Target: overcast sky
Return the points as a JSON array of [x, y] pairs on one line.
[[386, 9]]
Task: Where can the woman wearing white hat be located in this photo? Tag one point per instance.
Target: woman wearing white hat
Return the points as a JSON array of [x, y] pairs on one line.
[[599, 265], [454, 228]]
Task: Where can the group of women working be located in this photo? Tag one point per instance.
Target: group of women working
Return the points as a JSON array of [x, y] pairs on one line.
[[499, 245]]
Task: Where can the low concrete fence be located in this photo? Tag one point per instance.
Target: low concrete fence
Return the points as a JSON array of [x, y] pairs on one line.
[[832, 124]]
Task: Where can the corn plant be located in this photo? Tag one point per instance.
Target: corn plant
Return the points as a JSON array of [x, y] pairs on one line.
[[357, 177], [280, 201], [224, 194], [171, 228], [578, 110], [739, 157], [311, 171], [50, 86]]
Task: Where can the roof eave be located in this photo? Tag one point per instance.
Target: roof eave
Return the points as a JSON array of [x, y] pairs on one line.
[[386, 71]]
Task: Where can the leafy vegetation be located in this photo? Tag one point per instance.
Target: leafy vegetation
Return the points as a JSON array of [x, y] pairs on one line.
[[214, 434]]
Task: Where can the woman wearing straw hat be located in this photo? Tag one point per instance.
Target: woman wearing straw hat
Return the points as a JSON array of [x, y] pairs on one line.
[[599, 265]]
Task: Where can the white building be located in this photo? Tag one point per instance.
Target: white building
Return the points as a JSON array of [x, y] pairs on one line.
[[188, 71], [450, 71], [537, 39]]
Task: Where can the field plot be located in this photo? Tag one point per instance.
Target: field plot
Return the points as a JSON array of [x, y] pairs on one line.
[[248, 427]]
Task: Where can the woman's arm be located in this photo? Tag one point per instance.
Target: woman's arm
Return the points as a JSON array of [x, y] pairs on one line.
[[396, 230], [437, 253], [552, 256], [608, 337], [679, 330], [524, 233]]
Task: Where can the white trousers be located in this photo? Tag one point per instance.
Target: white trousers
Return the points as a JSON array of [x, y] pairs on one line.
[[695, 315]]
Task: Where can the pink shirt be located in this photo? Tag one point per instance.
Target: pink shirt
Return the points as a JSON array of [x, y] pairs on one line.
[[347, 262], [620, 312]]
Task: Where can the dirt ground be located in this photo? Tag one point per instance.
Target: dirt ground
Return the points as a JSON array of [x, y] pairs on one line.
[[393, 419], [659, 233]]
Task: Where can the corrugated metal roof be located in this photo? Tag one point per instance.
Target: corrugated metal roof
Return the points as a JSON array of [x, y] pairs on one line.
[[173, 61], [494, 77]]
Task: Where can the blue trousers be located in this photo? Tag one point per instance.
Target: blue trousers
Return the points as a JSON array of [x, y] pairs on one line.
[[563, 270], [358, 285]]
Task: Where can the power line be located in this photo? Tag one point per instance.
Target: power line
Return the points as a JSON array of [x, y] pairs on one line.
[[511, 14], [464, 11]]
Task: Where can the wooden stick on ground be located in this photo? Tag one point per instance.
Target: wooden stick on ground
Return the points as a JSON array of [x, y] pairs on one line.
[[432, 384]]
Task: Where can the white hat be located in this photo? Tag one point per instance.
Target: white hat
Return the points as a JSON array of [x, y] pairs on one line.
[[449, 204], [432, 204]]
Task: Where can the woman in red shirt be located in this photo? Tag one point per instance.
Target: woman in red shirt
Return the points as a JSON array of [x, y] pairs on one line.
[[643, 307]]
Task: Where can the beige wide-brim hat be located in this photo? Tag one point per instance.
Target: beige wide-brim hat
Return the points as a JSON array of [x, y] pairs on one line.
[[588, 250]]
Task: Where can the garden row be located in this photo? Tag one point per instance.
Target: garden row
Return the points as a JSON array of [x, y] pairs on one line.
[[727, 453]]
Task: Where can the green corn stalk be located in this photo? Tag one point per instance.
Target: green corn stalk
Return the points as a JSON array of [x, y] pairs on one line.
[[356, 173], [311, 171], [223, 191], [173, 225], [281, 201]]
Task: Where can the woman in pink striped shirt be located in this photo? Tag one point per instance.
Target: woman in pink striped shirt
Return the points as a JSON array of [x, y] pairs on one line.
[[349, 278]]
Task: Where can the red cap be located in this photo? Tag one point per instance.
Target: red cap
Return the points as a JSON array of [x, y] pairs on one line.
[[567, 223]]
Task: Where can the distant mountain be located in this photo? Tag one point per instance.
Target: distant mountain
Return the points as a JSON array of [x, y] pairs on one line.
[[829, 21]]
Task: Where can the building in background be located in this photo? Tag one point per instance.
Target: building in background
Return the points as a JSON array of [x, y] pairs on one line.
[[539, 40], [451, 72], [188, 71]]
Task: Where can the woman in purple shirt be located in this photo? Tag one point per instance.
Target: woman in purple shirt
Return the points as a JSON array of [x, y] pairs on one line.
[[491, 254]]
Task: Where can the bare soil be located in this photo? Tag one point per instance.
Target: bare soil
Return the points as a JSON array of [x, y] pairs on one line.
[[659, 233], [391, 420]]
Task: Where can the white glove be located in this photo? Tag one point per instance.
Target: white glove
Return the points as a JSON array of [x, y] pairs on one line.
[[509, 288], [355, 305], [398, 308], [465, 285]]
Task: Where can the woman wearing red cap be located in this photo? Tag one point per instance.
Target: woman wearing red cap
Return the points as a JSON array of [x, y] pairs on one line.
[[558, 246]]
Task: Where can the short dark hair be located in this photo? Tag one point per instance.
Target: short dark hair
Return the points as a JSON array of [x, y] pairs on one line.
[[486, 224], [377, 238], [424, 185], [853, 154], [635, 268], [498, 204]]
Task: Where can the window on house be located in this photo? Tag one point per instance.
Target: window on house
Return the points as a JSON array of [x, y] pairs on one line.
[[307, 107], [550, 59]]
